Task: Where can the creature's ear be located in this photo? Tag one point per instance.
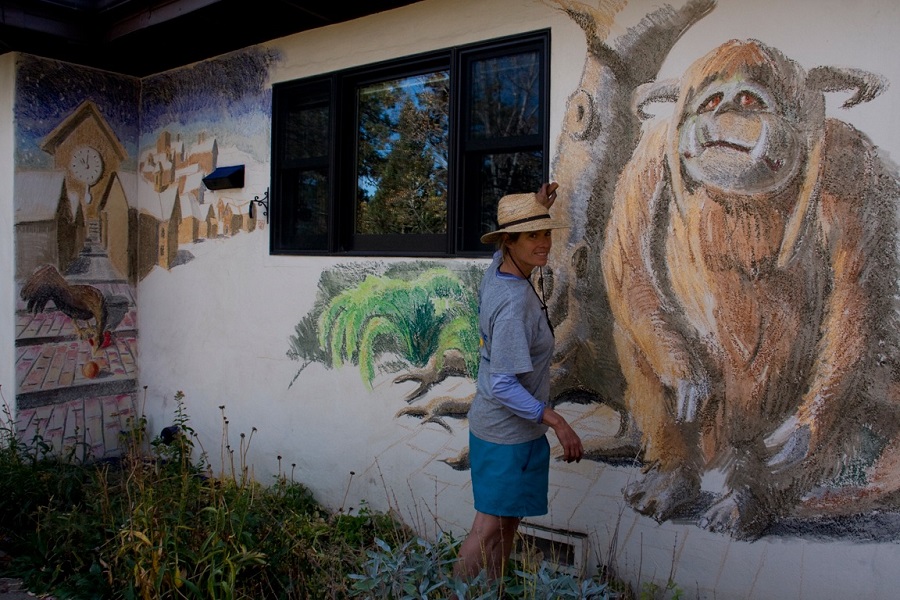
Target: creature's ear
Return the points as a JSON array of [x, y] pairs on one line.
[[836, 79], [655, 91]]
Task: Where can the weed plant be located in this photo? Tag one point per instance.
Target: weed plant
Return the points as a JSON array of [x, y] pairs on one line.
[[155, 523], [418, 570]]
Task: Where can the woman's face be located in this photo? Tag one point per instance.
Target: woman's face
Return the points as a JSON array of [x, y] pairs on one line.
[[530, 249]]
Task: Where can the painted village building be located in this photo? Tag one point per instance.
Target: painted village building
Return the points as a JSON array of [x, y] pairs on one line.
[[48, 223], [724, 297]]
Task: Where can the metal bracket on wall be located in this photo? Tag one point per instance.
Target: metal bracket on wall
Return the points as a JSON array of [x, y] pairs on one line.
[[264, 202]]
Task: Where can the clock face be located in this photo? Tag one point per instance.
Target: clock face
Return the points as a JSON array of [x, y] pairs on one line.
[[87, 165]]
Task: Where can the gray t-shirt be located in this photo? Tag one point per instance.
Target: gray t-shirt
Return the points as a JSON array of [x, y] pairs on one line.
[[516, 341]]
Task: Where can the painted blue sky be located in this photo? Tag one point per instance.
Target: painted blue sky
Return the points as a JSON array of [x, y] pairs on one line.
[[230, 90], [47, 91], [228, 95]]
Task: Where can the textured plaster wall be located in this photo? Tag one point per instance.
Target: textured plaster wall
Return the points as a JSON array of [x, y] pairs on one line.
[[7, 249], [217, 323], [219, 329]]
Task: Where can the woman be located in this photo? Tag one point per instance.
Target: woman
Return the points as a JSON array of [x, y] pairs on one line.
[[508, 450]]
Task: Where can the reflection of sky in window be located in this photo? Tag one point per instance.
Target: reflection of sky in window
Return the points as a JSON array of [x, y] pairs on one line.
[[407, 89]]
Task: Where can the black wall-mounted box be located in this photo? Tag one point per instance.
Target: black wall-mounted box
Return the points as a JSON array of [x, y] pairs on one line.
[[224, 178]]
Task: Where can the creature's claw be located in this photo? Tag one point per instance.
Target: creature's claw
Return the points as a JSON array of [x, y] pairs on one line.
[[660, 494], [736, 514], [691, 396], [419, 390], [460, 462], [453, 363], [789, 443]]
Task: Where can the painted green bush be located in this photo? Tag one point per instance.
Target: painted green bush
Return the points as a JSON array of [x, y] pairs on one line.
[[414, 313]]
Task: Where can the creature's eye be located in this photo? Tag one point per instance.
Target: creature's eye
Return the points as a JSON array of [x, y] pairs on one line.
[[749, 100], [710, 103]]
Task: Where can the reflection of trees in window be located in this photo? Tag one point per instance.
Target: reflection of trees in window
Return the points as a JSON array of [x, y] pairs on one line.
[[505, 97], [503, 141], [306, 131], [363, 158], [504, 173], [311, 208], [402, 150]]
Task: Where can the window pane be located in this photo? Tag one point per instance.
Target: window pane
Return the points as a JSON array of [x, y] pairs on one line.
[[303, 191], [500, 174], [402, 149], [505, 96], [306, 132], [307, 210]]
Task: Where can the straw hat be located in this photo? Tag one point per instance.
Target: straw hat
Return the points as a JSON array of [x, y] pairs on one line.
[[521, 212]]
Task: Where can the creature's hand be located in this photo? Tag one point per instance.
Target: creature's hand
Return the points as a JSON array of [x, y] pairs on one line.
[[789, 443], [690, 398], [547, 194]]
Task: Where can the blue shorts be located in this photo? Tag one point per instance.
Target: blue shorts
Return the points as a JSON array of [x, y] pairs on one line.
[[510, 480]]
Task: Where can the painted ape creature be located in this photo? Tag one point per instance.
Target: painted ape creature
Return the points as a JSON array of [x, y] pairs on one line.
[[750, 262]]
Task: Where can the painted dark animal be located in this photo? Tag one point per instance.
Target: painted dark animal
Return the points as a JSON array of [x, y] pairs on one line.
[[751, 268], [84, 304]]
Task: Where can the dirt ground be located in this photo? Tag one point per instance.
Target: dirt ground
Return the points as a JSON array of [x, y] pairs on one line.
[[12, 589]]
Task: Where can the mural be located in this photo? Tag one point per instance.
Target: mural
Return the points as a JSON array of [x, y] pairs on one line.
[[91, 222], [179, 109], [750, 264], [728, 286], [76, 328], [725, 296]]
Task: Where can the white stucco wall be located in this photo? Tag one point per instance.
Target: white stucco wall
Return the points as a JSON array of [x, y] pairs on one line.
[[218, 327], [7, 248]]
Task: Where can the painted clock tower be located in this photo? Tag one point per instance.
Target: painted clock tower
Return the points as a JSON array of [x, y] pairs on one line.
[[86, 148]]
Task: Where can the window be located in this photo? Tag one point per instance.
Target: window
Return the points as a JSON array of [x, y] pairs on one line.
[[411, 156]]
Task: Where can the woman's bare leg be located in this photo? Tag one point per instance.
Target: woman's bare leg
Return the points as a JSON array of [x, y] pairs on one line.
[[488, 546]]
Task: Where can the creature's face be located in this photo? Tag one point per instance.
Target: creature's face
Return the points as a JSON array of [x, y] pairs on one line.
[[734, 139]]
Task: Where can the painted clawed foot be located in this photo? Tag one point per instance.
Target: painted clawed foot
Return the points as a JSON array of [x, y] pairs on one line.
[[789, 444], [453, 363], [660, 494], [438, 408], [460, 462], [737, 514]]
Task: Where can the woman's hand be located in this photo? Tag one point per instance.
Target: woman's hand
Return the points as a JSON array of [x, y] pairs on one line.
[[547, 194], [571, 443]]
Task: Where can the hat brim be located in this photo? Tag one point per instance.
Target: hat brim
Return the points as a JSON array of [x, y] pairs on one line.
[[541, 225]]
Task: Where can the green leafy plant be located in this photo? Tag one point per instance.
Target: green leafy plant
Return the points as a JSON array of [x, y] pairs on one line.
[[418, 569], [155, 523], [652, 591]]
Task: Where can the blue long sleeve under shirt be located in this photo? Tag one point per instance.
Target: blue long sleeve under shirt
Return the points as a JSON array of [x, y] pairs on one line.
[[509, 392]]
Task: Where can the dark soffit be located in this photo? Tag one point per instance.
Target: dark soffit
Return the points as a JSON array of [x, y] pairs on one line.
[[143, 37]]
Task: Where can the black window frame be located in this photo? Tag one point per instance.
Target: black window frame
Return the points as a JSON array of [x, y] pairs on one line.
[[460, 239]]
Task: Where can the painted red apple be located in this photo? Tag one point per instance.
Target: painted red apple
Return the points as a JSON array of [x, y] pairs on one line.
[[90, 369]]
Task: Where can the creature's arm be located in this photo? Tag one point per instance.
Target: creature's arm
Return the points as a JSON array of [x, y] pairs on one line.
[[847, 228], [632, 268]]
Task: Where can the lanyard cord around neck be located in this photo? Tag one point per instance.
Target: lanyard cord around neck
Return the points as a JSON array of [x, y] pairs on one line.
[[540, 296]]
